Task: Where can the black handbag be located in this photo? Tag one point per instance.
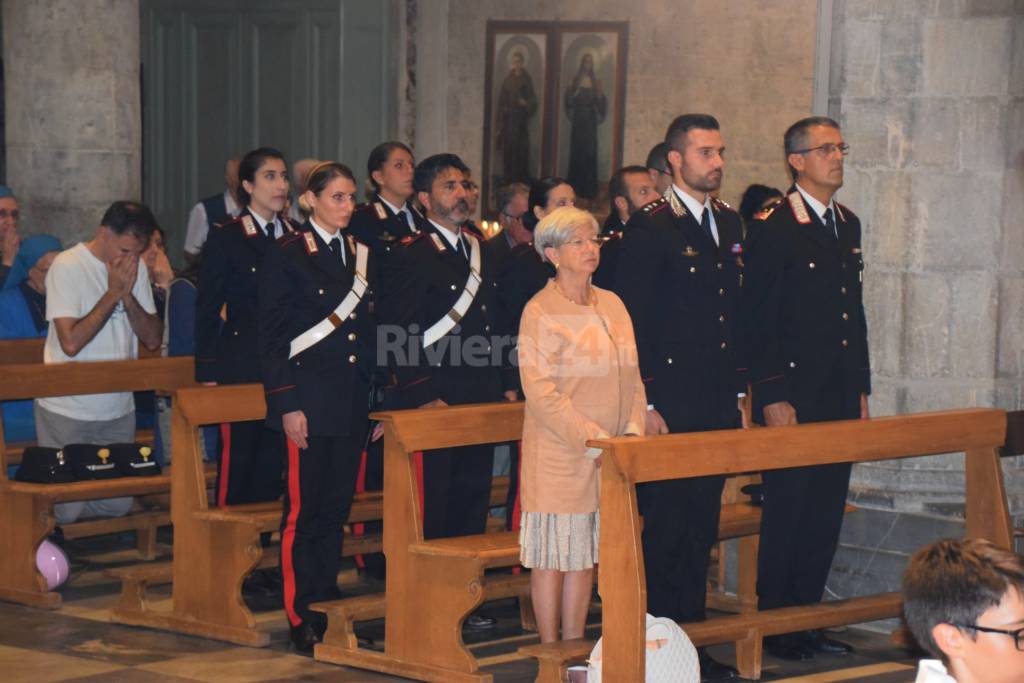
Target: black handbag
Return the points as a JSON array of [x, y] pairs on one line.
[[134, 460], [91, 461], [41, 465]]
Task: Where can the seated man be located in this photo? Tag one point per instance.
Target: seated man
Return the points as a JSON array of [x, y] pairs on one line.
[[100, 305], [10, 239], [964, 602]]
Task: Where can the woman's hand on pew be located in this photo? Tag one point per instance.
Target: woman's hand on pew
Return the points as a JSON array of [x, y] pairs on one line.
[[378, 431], [296, 428], [779, 414], [655, 423]]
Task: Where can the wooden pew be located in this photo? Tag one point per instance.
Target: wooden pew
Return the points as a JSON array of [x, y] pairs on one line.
[[26, 510], [977, 432], [30, 350], [440, 582], [216, 548]]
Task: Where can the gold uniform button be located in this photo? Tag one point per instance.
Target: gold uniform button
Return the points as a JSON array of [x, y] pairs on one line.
[[453, 288], [811, 265], [719, 265], [845, 316], [351, 359], [723, 345], [253, 269], [353, 316], [721, 318], [487, 328], [351, 336], [843, 290], [483, 307], [721, 292], [692, 269], [235, 333], [670, 361], [320, 292], [846, 343]]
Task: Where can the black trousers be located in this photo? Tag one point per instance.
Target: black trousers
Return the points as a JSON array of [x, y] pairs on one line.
[[251, 463], [373, 480], [803, 513], [321, 481], [681, 519], [456, 490]]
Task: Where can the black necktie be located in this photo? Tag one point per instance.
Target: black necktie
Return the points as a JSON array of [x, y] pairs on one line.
[[462, 248], [406, 217], [830, 223], [272, 230], [705, 223], [339, 253]]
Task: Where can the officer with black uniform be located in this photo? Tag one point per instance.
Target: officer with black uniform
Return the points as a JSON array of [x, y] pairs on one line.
[[388, 214], [808, 350], [317, 337], [439, 298], [629, 189], [679, 275], [227, 317]]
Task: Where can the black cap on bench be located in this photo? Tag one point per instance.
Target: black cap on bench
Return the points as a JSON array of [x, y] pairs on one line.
[[91, 461], [134, 459], [41, 465]]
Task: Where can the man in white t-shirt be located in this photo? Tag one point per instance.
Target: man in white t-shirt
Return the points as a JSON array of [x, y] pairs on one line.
[[963, 600], [99, 305]]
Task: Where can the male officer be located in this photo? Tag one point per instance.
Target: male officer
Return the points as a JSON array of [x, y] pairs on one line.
[[438, 307], [808, 353], [658, 168], [629, 189], [679, 276]]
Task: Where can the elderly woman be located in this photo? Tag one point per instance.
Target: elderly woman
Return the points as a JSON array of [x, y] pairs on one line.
[[578, 364]]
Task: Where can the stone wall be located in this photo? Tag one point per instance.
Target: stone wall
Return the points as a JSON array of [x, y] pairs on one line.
[[749, 63], [73, 127], [929, 94]]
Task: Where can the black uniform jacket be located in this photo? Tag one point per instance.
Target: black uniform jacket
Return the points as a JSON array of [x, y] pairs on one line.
[[611, 234], [422, 279], [682, 292], [376, 225], [302, 284], [521, 273], [802, 304], [232, 261]]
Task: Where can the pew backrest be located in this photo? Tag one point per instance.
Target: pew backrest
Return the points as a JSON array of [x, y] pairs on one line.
[[30, 350]]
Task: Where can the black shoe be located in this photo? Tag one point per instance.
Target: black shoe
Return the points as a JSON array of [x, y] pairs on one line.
[[303, 638], [478, 622], [712, 670], [57, 536], [816, 641], [787, 647]]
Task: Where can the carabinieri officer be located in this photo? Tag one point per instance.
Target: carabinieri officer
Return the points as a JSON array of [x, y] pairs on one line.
[[316, 345], [249, 470]]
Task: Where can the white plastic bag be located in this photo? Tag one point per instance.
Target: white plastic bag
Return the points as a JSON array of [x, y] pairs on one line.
[[671, 657]]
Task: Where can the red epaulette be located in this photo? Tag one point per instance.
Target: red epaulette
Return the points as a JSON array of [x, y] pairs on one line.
[[655, 206], [721, 204], [767, 211], [227, 221], [288, 238], [406, 241]]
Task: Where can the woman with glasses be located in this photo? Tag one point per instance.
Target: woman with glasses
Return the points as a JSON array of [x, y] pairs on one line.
[[578, 364]]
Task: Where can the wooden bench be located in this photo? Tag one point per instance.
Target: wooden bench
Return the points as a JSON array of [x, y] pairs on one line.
[[30, 350], [26, 510], [626, 462], [216, 548]]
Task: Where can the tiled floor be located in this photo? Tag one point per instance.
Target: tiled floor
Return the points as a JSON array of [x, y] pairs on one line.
[[78, 643]]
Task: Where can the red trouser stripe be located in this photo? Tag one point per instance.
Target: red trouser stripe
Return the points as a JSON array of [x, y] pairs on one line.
[[288, 535], [225, 464], [358, 529], [418, 460]]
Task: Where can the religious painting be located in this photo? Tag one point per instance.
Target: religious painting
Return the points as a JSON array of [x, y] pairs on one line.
[[516, 106], [590, 103]]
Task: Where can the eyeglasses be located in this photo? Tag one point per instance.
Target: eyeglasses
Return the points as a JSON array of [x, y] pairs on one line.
[[578, 243], [826, 150], [1017, 634], [14, 213]]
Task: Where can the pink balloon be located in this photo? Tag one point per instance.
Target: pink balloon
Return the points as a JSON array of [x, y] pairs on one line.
[[52, 563]]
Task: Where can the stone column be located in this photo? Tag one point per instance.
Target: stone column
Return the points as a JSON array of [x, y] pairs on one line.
[[929, 95], [72, 110]]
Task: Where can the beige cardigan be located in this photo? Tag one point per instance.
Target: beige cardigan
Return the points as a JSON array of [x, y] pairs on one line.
[[581, 380]]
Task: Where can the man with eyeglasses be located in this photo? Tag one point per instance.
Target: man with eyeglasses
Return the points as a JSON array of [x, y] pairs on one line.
[[679, 274], [963, 600], [807, 352]]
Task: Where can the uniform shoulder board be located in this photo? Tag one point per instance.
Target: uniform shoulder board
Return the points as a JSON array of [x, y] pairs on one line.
[[230, 220], [721, 205], [767, 211], [352, 241], [438, 244], [311, 247], [842, 210], [655, 206], [381, 212], [249, 225]]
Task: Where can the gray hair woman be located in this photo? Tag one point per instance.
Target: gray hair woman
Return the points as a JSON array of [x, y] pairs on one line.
[[578, 365]]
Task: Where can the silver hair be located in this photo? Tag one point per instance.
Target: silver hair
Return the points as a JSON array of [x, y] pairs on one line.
[[557, 227]]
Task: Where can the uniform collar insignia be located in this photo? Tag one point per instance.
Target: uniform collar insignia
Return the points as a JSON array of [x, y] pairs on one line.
[[381, 212], [438, 243], [839, 211], [311, 247], [796, 202], [250, 226], [678, 208], [351, 244]]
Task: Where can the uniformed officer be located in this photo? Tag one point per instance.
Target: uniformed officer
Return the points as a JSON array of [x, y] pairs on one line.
[[212, 211], [388, 214], [439, 290], [629, 189], [658, 168], [227, 352], [808, 352], [679, 274], [317, 338]]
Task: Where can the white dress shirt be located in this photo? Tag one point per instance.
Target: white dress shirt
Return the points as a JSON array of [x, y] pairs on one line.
[[818, 207], [698, 209], [327, 237]]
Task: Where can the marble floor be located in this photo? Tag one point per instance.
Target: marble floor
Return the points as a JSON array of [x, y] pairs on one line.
[[78, 642]]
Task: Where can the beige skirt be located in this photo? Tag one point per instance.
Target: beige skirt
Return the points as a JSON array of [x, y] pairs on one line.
[[566, 542]]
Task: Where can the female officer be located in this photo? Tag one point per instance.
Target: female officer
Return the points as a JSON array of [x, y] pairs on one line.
[[387, 216], [316, 345]]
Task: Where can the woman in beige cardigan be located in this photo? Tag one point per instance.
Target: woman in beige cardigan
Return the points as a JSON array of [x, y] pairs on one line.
[[578, 364]]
